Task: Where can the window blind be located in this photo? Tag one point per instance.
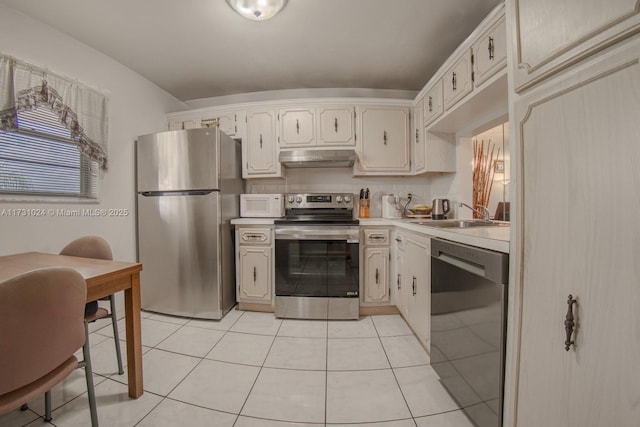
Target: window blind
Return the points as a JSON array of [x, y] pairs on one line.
[[41, 158]]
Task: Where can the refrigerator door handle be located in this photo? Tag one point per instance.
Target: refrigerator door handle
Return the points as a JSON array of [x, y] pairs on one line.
[[176, 193]]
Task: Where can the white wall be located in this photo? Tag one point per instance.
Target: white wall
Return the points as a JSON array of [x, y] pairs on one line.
[[136, 107]]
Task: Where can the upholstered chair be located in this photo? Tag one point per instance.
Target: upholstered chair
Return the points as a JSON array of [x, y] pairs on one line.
[[97, 247], [41, 327]]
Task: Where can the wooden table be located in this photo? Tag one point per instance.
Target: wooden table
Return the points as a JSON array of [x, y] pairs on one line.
[[103, 278]]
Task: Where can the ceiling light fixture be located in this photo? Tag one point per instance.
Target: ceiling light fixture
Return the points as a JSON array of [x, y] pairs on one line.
[[257, 10]]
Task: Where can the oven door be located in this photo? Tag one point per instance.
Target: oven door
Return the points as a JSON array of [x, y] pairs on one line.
[[315, 266]]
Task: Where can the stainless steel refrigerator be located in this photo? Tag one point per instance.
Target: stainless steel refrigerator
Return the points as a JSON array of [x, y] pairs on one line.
[[188, 184]]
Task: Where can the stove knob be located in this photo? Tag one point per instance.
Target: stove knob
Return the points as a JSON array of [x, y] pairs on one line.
[[347, 199], [299, 198], [338, 199], [290, 198]]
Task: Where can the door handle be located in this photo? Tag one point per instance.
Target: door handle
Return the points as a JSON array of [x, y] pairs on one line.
[[569, 323], [491, 49]]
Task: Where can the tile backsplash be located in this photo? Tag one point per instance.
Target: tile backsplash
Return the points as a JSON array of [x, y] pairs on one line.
[[423, 187]]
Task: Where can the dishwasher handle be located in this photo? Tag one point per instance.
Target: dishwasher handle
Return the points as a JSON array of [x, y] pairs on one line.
[[491, 265], [472, 268]]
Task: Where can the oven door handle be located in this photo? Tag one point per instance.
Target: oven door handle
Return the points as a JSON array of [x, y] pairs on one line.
[[288, 234]]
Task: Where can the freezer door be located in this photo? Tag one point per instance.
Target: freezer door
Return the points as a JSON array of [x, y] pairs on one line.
[[178, 160], [179, 241]]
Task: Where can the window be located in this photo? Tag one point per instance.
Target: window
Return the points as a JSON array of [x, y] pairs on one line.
[[42, 158], [53, 133]]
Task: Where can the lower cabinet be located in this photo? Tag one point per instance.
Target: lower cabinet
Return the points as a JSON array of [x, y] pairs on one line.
[[413, 280], [254, 266], [376, 266]]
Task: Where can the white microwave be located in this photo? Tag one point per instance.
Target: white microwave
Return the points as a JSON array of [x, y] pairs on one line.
[[261, 205]]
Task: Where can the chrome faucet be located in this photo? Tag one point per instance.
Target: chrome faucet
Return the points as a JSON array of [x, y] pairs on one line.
[[486, 215]]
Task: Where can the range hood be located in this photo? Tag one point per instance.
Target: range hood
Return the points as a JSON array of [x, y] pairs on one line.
[[307, 158]]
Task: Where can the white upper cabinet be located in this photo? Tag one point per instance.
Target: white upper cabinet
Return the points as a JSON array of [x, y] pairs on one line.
[[179, 124], [418, 148], [384, 140], [297, 127], [259, 148], [433, 104], [457, 81], [553, 34], [490, 53], [336, 125], [228, 122]]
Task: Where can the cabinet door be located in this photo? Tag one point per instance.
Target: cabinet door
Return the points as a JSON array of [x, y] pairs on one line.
[[577, 139], [297, 127], [403, 285], [180, 124], [376, 274], [457, 81], [433, 103], [228, 123], [419, 304], [260, 145], [552, 34], [384, 146], [336, 126], [418, 151], [255, 273], [490, 53]]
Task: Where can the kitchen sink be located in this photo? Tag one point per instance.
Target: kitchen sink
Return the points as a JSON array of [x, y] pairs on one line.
[[462, 223]]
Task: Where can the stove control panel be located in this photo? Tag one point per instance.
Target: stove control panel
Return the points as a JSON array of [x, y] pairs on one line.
[[319, 201]]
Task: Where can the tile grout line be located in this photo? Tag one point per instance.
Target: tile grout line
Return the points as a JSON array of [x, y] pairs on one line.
[[259, 372], [394, 373], [165, 397], [326, 375]]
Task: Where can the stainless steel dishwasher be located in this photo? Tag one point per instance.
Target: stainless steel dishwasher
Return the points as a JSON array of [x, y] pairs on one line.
[[468, 326]]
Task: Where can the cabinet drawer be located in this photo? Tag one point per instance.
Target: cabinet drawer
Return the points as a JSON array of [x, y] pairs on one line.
[[253, 236], [376, 236]]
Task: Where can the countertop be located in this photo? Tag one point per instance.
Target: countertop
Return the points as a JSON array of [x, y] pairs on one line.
[[492, 238]]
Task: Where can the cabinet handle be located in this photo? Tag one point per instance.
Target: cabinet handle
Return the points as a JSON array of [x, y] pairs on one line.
[[384, 137], [398, 280], [569, 324], [376, 237], [417, 137], [335, 124], [453, 80], [255, 275], [261, 141], [491, 48], [430, 104], [414, 286], [297, 127], [377, 277]]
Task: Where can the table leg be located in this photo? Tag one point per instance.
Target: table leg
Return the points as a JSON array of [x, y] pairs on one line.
[[134, 337]]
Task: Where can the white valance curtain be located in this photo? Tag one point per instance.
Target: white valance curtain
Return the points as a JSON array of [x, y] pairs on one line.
[[82, 110]]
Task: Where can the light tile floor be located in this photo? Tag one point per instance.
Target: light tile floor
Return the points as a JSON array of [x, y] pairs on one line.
[[251, 369]]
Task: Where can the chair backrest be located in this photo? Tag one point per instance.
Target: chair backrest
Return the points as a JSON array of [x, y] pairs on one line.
[[41, 324], [88, 247]]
